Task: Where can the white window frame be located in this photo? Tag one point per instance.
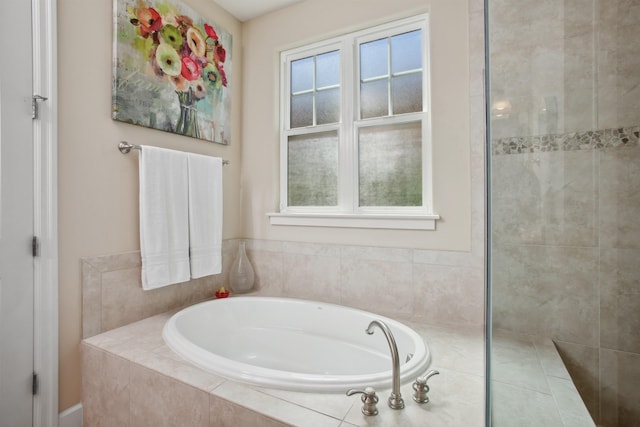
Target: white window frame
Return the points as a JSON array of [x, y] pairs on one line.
[[347, 213]]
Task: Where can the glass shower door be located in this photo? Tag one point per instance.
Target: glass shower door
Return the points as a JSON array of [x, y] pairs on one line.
[[564, 195]]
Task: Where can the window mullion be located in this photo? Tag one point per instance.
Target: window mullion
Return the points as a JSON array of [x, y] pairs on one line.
[[389, 94], [347, 153]]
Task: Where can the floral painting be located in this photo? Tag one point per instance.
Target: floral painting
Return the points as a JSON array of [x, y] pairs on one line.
[[172, 70]]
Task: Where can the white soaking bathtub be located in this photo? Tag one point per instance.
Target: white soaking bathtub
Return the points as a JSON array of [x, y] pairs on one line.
[[293, 344]]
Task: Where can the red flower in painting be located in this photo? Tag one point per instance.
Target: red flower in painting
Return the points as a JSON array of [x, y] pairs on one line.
[[223, 75], [149, 19], [190, 69], [210, 31], [220, 53]]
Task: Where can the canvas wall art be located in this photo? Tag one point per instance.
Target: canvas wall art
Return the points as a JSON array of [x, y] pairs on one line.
[[171, 70]]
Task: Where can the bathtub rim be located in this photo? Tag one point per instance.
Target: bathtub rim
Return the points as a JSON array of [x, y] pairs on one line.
[[293, 381]]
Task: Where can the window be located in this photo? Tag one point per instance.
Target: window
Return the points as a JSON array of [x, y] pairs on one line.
[[355, 137]]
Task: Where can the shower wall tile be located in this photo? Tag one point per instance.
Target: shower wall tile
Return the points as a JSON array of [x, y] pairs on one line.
[[618, 63], [619, 377], [582, 363], [545, 198], [579, 82], [620, 198], [547, 291], [620, 299]]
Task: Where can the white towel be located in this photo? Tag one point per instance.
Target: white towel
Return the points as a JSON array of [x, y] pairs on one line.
[[164, 216], [205, 215]]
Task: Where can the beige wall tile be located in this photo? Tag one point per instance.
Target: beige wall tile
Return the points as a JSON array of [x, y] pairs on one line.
[[619, 377], [582, 363], [314, 277], [620, 299], [549, 291], [158, 401], [620, 198], [379, 286], [447, 294], [105, 388]]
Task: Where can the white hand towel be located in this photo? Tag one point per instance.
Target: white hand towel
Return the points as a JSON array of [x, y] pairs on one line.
[[164, 217], [205, 215]]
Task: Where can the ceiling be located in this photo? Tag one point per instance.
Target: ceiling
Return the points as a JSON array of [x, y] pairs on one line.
[[247, 9]]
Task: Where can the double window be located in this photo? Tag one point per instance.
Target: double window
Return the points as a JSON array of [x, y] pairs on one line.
[[355, 137]]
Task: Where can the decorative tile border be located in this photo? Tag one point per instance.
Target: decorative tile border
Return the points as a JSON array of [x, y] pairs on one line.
[[589, 140]]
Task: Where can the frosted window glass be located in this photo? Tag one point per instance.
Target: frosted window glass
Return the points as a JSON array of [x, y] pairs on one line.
[[328, 69], [406, 52], [302, 110], [406, 93], [313, 169], [374, 59], [374, 99], [302, 75], [328, 106], [390, 165]]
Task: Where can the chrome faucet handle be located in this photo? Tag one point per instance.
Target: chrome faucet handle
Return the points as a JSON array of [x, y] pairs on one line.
[[420, 387], [369, 400]]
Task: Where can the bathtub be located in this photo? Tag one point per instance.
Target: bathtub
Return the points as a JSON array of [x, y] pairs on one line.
[[293, 344]]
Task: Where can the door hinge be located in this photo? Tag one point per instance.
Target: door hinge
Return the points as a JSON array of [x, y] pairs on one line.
[[34, 105], [34, 384], [35, 246]]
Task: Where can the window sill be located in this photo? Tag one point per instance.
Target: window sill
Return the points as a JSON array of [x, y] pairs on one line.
[[393, 222]]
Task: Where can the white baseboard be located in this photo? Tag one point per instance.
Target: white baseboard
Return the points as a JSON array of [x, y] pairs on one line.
[[71, 417]]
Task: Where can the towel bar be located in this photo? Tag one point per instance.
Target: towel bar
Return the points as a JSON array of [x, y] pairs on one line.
[[125, 148]]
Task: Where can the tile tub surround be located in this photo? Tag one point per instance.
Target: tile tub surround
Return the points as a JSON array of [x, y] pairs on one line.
[[131, 378], [428, 286], [431, 286], [566, 244], [112, 294]]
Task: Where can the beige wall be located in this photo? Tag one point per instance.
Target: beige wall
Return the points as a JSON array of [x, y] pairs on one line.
[[98, 186], [314, 20]]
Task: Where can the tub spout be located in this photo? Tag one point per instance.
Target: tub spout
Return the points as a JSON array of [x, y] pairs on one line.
[[395, 400]]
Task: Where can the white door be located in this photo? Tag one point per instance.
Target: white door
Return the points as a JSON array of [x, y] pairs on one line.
[[16, 215]]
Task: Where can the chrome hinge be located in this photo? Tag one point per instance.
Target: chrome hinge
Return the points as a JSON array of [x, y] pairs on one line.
[[34, 384], [34, 105], [35, 246]]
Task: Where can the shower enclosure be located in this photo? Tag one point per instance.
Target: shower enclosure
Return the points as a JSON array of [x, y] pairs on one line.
[[563, 159]]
